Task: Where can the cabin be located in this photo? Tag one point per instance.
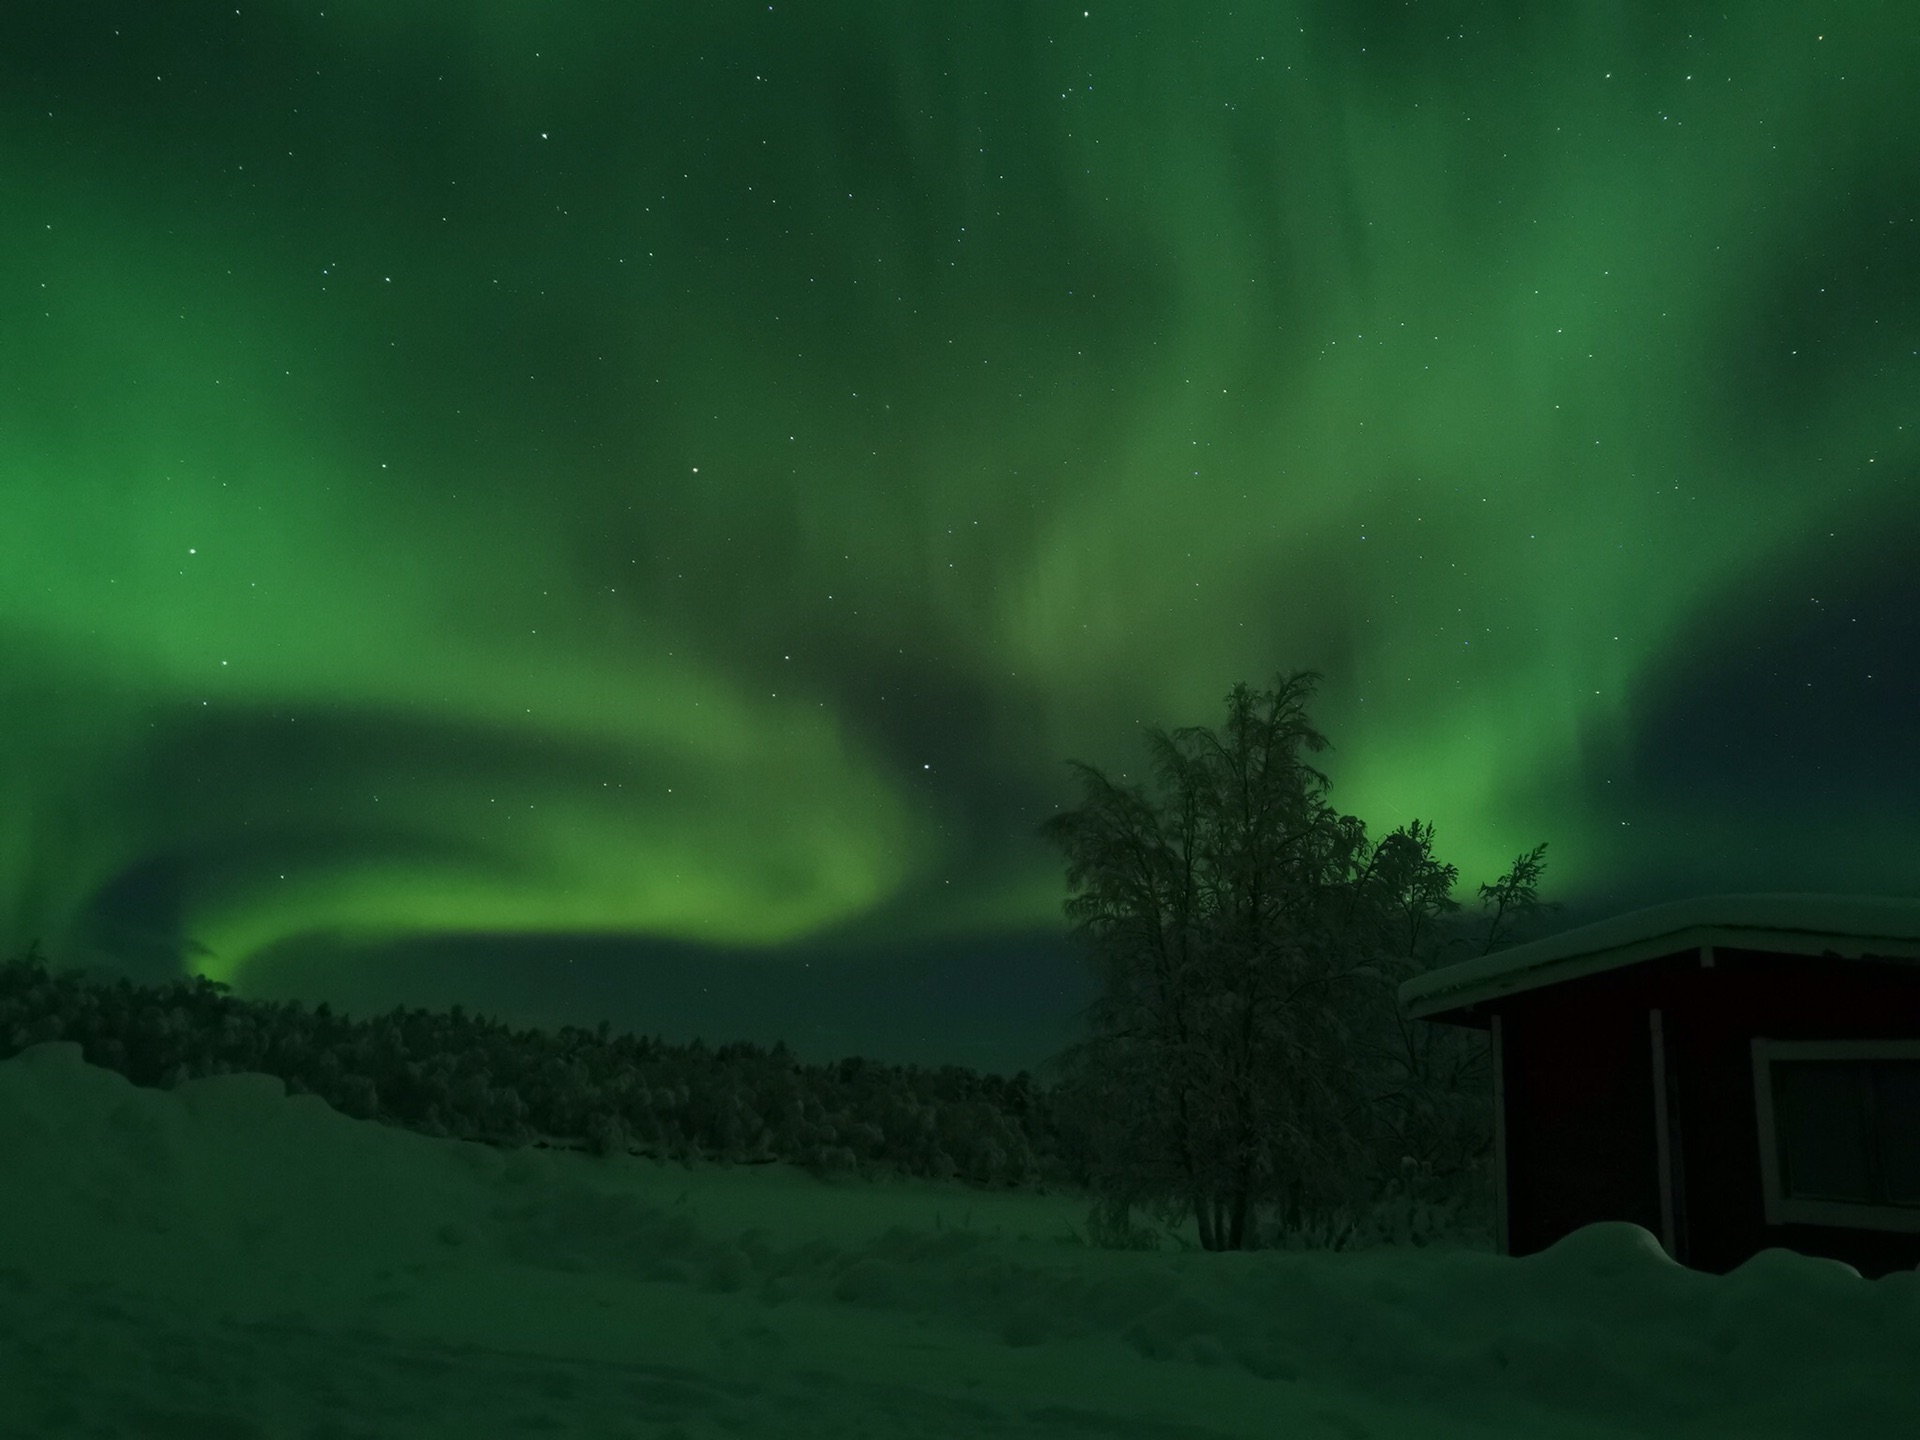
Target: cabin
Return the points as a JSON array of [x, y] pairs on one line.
[[1732, 1073]]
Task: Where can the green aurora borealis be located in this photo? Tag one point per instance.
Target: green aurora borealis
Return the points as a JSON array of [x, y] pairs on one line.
[[680, 480]]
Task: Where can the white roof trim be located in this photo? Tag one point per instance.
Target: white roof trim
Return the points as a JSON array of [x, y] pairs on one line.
[[1844, 925]]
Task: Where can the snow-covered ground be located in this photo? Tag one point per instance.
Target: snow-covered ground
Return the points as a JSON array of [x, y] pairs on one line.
[[222, 1261]]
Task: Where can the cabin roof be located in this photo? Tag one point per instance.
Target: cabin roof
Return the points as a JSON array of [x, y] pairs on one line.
[[1848, 926]]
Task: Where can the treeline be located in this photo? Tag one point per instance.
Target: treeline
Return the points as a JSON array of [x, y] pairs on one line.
[[465, 1076]]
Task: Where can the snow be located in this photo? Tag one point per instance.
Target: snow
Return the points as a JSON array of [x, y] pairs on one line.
[[224, 1262], [1851, 925]]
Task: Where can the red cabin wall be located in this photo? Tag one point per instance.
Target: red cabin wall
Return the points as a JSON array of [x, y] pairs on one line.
[[1581, 1137], [1714, 1016], [1577, 1069]]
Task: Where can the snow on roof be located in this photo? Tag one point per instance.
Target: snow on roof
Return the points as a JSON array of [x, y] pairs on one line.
[[1844, 925]]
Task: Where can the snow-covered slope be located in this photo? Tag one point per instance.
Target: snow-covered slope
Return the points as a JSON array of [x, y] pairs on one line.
[[222, 1261]]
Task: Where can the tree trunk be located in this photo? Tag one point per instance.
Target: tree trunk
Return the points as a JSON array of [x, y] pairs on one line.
[[1202, 1210]]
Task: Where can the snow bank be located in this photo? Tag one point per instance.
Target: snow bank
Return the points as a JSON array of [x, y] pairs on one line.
[[225, 1256]]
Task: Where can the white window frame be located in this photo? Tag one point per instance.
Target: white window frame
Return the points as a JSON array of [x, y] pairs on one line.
[[1783, 1209]]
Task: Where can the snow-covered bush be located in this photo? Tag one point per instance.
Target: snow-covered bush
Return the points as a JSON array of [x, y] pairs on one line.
[[607, 1133], [825, 1160]]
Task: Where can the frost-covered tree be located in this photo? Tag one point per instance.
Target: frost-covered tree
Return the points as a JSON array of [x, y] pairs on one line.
[[1212, 919], [1249, 938]]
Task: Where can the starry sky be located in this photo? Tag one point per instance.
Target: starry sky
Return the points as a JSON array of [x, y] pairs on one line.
[[594, 510]]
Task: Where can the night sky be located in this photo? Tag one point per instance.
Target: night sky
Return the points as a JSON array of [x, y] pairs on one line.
[[595, 509]]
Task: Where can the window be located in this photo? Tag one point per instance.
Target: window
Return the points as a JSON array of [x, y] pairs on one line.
[[1839, 1131]]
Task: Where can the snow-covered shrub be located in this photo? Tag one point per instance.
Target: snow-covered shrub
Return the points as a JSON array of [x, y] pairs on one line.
[[1416, 1208], [823, 1160], [607, 1133], [1110, 1226]]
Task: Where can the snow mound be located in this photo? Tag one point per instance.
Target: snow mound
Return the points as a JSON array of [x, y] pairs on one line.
[[228, 1198]]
